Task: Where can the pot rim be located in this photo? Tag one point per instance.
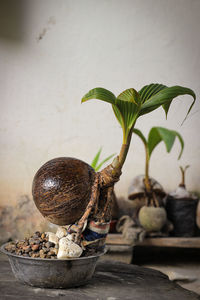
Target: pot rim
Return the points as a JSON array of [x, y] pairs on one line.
[[98, 254]]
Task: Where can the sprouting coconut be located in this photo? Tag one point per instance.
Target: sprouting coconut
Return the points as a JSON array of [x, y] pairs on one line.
[[181, 207], [68, 190], [148, 192]]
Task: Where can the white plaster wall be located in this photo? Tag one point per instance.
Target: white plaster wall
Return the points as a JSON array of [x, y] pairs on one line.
[[64, 48]]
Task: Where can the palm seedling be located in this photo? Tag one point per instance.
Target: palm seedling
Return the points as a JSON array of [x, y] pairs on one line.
[[151, 216], [127, 107], [181, 206], [89, 193], [155, 136]]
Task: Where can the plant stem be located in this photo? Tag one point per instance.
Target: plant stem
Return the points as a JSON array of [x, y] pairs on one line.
[[146, 179], [183, 170], [124, 150]]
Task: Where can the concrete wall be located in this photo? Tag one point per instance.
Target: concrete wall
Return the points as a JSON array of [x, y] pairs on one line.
[[53, 52]]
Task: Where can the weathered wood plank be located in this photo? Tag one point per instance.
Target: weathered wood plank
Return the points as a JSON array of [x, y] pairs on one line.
[[116, 239], [192, 242]]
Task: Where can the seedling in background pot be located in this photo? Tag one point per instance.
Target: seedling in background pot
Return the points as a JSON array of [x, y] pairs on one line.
[[155, 136]]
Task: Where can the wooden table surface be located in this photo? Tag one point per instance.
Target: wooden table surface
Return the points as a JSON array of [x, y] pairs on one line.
[[111, 281]]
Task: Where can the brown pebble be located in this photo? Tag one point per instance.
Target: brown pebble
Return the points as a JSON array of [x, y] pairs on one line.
[[47, 245], [35, 247], [30, 253], [54, 250], [35, 255], [38, 233], [26, 248], [43, 235], [42, 255], [45, 250], [25, 254], [31, 241]]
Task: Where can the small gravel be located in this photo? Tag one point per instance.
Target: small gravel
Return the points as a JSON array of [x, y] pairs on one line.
[[37, 246]]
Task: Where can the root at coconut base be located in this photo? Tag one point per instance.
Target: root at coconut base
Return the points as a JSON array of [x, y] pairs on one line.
[[88, 235]]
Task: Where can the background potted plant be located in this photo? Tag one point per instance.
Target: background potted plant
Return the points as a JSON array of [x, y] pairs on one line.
[[181, 206], [152, 214]]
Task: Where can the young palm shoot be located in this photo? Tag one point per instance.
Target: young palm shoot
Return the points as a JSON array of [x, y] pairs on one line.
[[127, 107], [155, 136], [183, 171], [96, 164]]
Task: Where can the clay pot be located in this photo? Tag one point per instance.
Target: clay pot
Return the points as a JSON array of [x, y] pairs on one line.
[[152, 218], [61, 189]]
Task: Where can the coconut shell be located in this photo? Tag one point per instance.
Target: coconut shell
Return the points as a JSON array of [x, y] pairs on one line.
[[137, 188], [61, 189]]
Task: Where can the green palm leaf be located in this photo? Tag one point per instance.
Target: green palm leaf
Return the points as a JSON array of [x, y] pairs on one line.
[[149, 90], [96, 159], [163, 97], [126, 106], [127, 109], [140, 134], [103, 162], [100, 94], [95, 162], [159, 134]]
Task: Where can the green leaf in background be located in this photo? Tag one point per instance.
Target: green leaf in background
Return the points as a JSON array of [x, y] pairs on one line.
[[103, 162], [159, 134], [95, 161], [164, 97], [140, 134]]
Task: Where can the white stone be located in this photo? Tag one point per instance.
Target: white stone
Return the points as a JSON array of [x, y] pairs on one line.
[[52, 237], [61, 232], [68, 249]]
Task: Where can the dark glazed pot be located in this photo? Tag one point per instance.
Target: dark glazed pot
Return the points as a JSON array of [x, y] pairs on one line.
[[52, 273], [61, 189]]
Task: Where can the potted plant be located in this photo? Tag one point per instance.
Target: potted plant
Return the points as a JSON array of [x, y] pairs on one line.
[[152, 215], [181, 206], [92, 191], [67, 190]]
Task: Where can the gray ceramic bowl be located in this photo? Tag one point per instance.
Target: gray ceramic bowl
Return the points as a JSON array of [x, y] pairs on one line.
[[52, 273]]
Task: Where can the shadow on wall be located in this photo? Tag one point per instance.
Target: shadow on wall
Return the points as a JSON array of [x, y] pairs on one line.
[[21, 220], [12, 19]]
